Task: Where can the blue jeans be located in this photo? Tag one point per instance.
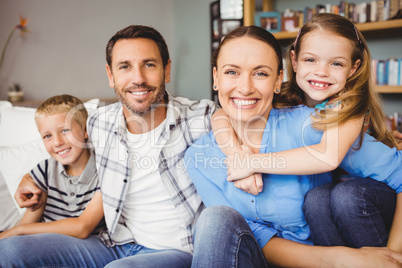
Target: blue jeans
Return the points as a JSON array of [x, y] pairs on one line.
[[57, 250], [353, 213], [222, 238]]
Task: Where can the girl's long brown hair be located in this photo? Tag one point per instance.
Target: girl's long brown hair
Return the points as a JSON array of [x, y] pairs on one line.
[[358, 98]]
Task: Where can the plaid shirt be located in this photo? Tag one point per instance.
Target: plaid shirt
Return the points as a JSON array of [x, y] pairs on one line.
[[186, 121]]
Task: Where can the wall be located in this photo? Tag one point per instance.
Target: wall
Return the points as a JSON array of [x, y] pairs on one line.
[[193, 54], [65, 49]]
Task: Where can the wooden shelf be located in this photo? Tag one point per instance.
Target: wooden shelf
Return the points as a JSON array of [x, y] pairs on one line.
[[388, 89], [389, 27]]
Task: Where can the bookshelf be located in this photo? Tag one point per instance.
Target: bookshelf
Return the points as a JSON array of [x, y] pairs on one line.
[[389, 89], [370, 30]]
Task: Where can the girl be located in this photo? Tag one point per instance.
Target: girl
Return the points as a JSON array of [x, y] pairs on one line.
[[342, 80], [247, 71], [357, 212]]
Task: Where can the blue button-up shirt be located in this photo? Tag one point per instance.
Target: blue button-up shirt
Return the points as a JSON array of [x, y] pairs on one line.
[[277, 210]]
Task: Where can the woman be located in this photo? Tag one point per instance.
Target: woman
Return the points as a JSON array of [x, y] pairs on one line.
[[247, 73]]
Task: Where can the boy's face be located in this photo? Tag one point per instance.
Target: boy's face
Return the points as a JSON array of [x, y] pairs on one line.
[[64, 140]]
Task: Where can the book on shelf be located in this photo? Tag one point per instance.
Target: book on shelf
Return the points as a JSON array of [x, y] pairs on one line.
[[387, 72], [394, 122], [371, 11]]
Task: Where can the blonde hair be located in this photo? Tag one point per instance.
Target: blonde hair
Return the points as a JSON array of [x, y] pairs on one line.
[[63, 104], [358, 98]]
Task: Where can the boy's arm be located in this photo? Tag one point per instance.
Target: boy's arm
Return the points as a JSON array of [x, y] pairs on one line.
[[28, 194], [80, 227], [28, 218], [314, 159], [395, 235]]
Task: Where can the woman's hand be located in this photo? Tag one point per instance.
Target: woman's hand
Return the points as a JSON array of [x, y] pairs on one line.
[[375, 257]]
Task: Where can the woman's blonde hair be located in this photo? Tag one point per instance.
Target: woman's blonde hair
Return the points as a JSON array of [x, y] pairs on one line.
[[63, 104], [358, 98]]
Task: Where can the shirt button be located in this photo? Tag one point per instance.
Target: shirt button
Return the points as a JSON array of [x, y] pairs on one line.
[[125, 180], [256, 218], [252, 201], [117, 210], [72, 194]]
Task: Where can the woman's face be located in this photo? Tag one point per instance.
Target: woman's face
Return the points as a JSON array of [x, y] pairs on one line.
[[246, 77]]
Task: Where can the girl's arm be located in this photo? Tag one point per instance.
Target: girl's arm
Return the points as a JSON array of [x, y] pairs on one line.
[[228, 143], [319, 158], [285, 253], [395, 235], [224, 134], [80, 227]]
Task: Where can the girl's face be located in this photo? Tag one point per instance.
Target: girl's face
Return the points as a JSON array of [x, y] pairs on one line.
[[246, 77], [323, 65]]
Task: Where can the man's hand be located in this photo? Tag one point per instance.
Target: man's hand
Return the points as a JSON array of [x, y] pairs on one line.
[[28, 195]]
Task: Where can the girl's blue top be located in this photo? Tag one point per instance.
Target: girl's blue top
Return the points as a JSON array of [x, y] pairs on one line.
[[277, 210]]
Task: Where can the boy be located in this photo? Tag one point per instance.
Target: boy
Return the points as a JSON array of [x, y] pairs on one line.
[[68, 179]]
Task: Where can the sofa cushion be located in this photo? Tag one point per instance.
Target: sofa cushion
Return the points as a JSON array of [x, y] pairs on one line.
[[9, 214]]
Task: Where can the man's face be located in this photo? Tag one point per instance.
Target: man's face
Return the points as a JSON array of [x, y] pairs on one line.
[[138, 76]]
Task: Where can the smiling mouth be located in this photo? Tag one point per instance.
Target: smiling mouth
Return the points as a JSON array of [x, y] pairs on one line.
[[139, 93], [241, 103], [63, 152], [320, 85]]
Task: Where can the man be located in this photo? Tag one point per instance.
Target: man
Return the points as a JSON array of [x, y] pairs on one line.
[[149, 201]]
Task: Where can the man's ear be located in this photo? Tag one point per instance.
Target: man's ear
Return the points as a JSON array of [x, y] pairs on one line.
[[110, 76], [168, 68], [294, 60], [354, 67]]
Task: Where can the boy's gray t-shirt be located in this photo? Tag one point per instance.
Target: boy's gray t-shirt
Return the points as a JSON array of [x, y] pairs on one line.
[[67, 196]]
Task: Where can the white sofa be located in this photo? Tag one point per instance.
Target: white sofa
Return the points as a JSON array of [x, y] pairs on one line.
[[21, 148]]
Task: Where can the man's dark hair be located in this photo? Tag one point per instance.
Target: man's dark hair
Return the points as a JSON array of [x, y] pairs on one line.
[[138, 31]]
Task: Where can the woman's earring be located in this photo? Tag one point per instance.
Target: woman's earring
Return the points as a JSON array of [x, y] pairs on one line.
[[277, 90], [214, 87]]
